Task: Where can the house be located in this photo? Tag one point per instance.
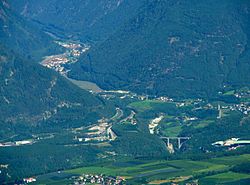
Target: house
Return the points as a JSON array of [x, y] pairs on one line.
[[29, 180]]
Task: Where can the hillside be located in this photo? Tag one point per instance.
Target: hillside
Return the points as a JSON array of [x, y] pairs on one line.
[[22, 36], [124, 92], [175, 48], [32, 95], [88, 20]]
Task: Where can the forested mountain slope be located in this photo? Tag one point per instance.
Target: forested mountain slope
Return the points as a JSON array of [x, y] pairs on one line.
[[22, 36], [195, 51], [32, 95], [176, 48], [88, 20]]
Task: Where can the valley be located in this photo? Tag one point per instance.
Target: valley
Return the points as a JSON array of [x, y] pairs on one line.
[[137, 117], [140, 125], [71, 55], [157, 172], [119, 92]]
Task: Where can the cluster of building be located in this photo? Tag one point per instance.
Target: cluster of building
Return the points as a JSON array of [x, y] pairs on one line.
[[29, 180], [100, 132], [17, 143], [57, 62], [111, 94], [76, 49], [69, 45], [165, 99], [131, 95], [242, 94], [232, 143], [190, 118], [98, 179], [131, 119], [243, 108], [189, 183]]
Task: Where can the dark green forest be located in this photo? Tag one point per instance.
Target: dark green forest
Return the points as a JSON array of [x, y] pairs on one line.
[[163, 69], [174, 48]]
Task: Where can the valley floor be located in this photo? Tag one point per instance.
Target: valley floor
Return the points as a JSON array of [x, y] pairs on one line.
[[127, 147], [204, 172]]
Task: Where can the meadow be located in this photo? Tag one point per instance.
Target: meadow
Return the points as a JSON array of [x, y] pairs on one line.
[[210, 171]]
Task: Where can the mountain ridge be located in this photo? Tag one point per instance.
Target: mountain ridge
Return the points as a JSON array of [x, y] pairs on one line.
[[80, 20], [151, 53], [22, 36], [32, 96]]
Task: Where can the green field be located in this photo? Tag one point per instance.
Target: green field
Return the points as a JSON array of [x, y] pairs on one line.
[[229, 92], [151, 104], [172, 131], [223, 178], [203, 123], [211, 171]]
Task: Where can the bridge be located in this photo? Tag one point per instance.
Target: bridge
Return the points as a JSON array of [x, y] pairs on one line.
[[180, 140]]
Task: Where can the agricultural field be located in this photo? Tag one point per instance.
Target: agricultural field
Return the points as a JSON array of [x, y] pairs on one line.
[[204, 172]]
